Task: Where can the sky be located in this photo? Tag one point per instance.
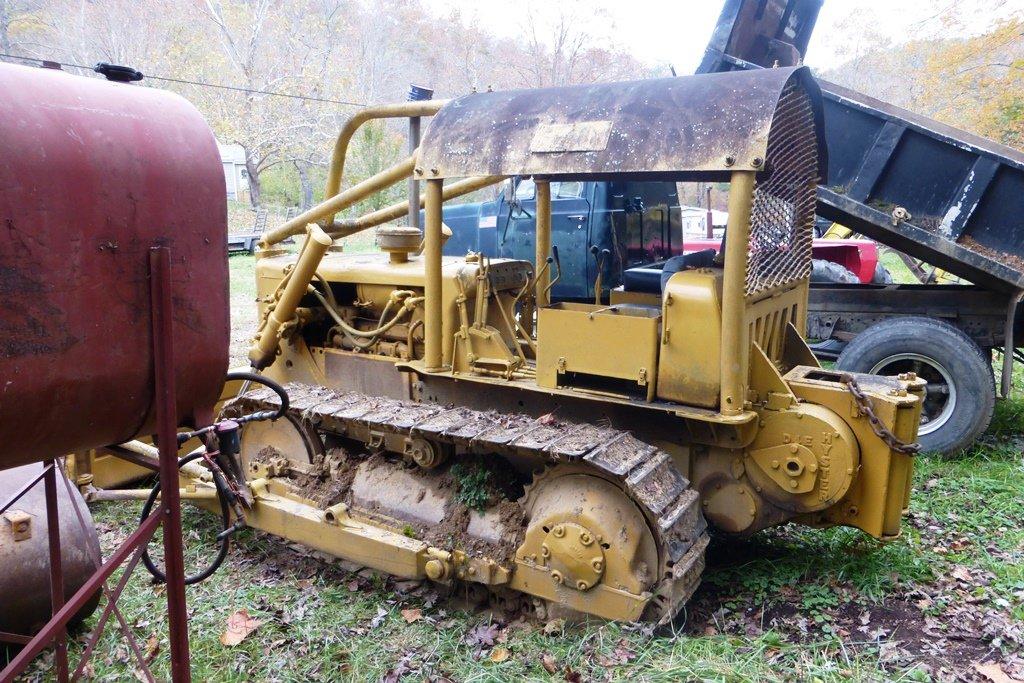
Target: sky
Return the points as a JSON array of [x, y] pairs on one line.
[[664, 32]]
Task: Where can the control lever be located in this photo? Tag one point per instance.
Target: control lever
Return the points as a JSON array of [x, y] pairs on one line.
[[600, 256], [558, 272]]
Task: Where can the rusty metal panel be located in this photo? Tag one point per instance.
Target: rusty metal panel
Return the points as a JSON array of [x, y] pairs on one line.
[[760, 32], [705, 123], [92, 175]]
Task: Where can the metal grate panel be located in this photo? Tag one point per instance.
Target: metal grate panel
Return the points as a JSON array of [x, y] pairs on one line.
[[782, 216]]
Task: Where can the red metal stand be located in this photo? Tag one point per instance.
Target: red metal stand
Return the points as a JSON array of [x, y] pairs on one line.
[[168, 513]]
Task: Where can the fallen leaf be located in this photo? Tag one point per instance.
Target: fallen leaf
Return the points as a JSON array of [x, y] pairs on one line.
[[499, 655], [152, 647], [483, 635], [623, 652], [962, 573], [549, 663], [403, 667], [411, 615], [403, 587], [573, 676], [240, 625], [554, 626], [993, 672], [546, 419], [382, 614]]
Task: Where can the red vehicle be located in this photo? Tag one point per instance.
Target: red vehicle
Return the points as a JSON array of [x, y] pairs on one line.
[[857, 259]]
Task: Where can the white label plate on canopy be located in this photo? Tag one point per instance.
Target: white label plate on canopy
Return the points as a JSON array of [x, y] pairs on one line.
[[581, 136]]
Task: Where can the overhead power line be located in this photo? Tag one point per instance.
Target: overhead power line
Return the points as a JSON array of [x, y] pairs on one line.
[[201, 84]]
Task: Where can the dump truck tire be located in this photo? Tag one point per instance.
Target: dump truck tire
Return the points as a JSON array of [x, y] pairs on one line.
[[882, 275], [960, 395], [823, 271]]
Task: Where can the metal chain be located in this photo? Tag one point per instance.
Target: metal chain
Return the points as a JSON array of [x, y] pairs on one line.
[[881, 431]]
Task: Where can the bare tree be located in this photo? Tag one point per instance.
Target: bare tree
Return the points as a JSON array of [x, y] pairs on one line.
[[319, 52], [14, 14]]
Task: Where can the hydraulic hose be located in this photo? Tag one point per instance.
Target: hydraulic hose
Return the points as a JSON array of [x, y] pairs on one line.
[[408, 304], [248, 376], [222, 552], [224, 494]]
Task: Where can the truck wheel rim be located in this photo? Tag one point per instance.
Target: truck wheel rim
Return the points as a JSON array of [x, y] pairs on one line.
[[940, 396]]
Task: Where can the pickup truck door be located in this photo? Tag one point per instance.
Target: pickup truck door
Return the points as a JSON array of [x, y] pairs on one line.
[[644, 222], [570, 216]]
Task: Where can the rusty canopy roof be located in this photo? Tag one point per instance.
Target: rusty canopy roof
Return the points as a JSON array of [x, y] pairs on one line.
[[705, 124]]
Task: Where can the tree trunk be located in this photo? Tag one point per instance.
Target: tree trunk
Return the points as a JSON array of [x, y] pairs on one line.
[[253, 174], [5, 21], [305, 185]]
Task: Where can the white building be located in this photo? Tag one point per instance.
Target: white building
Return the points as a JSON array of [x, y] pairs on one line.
[[695, 221], [232, 157]]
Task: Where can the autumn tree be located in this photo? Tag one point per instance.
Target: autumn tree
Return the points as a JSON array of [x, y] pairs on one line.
[[978, 82], [17, 18], [974, 82]]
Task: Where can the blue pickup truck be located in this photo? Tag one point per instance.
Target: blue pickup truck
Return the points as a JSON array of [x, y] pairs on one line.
[[630, 223]]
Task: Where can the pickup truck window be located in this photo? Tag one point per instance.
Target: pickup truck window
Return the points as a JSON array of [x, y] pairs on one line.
[[525, 189], [570, 189]]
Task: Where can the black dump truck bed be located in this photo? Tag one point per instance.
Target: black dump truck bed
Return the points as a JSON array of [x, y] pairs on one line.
[[932, 191], [936, 193]]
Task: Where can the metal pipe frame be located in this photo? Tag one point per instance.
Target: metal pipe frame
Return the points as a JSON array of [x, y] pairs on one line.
[[734, 352], [387, 111], [167, 513], [433, 241], [414, 183], [25, 489], [543, 246], [134, 543], [60, 632], [352, 226], [111, 606], [167, 438], [137, 453], [325, 210], [105, 495], [1006, 377]]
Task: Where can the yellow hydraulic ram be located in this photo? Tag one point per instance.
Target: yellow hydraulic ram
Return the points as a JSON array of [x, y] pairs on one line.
[[264, 348]]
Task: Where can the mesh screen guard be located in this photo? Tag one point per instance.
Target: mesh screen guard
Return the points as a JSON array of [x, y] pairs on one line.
[[782, 215]]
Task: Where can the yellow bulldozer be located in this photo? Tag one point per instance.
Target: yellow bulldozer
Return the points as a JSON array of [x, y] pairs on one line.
[[446, 420]]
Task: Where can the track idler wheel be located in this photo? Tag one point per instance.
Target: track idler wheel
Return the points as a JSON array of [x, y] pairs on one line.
[[574, 554], [589, 542]]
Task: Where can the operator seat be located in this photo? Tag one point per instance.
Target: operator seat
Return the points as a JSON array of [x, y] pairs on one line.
[[651, 279]]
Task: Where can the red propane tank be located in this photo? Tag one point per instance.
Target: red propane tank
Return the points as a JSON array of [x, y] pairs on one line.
[[92, 175]]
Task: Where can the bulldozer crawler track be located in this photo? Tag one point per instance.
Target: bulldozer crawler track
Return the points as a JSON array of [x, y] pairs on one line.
[[644, 472]]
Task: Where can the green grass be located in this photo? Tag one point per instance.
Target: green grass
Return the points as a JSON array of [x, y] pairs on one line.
[[897, 269], [320, 621]]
